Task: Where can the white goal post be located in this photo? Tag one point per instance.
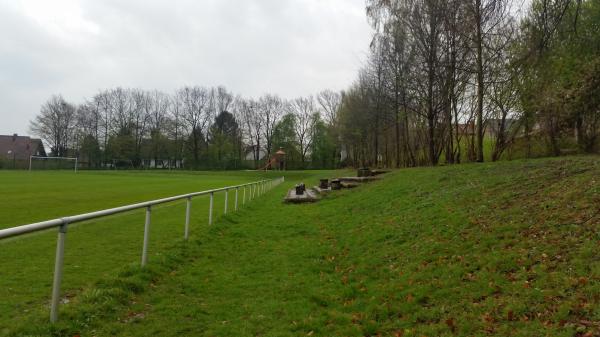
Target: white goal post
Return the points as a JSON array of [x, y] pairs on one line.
[[31, 158]]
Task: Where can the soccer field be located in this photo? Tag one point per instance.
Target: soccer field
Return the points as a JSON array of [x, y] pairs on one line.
[[99, 248]]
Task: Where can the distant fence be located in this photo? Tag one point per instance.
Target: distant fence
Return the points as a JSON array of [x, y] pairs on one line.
[[255, 189]]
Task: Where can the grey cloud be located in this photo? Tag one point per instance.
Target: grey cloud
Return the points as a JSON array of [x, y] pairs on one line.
[[291, 47]]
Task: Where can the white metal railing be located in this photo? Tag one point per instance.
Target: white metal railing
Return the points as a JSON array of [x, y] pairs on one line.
[[255, 189]]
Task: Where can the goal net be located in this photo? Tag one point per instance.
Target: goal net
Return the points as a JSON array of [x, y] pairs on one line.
[[52, 163]]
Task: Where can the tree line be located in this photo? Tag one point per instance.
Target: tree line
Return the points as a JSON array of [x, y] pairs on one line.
[[446, 81], [471, 80], [195, 127]]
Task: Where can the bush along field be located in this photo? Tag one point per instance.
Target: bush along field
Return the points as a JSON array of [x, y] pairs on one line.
[[505, 249]]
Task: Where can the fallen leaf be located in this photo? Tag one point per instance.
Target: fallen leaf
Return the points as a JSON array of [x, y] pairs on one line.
[[451, 324]]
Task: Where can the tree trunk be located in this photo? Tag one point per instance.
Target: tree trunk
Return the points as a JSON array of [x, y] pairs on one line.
[[480, 81]]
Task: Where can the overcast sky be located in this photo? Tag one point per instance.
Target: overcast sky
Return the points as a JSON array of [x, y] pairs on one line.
[[75, 48]]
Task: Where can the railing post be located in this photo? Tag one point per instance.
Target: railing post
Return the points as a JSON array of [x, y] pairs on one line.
[[212, 197], [226, 200], [58, 270], [187, 218], [146, 236], [237, 189], [244, 197]]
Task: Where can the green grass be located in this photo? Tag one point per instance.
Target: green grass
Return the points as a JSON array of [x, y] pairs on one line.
[[505, 249], [97, 249]]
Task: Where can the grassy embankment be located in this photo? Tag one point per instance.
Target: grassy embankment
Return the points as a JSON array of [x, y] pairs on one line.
[[507, 249]]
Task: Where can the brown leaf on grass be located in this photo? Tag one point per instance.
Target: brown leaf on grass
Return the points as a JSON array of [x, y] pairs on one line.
[[451, 324], [490, 329], [345, 279], [469, 277], [589, 323], [488, 318], [510, 315], [398, 333]]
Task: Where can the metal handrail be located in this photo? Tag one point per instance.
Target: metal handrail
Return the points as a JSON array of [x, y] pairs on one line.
[[255, 189], [38, 226]]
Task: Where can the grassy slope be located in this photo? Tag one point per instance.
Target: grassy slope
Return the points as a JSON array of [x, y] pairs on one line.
[[97, 249], [508, 249]]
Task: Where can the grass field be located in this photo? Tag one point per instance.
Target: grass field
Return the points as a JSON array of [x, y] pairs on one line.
[[505, 249], [95, 249]]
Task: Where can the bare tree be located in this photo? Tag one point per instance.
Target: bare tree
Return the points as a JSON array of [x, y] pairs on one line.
[[224, 99], [120, 105], [487, 17], [141, 107], [248, 110], [304, 110], [55, 124], [330, 102], [176, 127], [194, 103], [270, 110], [425, 23]]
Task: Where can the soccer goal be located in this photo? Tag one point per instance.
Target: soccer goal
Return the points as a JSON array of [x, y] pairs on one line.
[[52, 163]]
